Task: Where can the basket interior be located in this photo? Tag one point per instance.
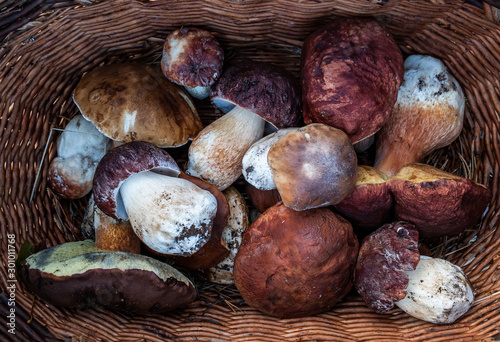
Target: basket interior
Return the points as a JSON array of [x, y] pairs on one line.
[[42, 63]]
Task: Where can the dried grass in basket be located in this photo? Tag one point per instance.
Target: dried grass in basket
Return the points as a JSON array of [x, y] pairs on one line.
[[48, 45]]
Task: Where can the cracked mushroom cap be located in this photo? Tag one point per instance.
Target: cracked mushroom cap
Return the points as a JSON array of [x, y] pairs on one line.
[[384, 258], [261, 88], [351, 71], [129, 102], [192, 57]]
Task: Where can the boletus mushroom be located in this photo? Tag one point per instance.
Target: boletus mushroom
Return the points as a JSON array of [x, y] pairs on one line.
[[311, 166], [192, 58], [428, 115], [252, 93], [79, 275], [135, 102], [138, 181], [438, 203], [295, 263], [80, 147], [390, 271], [351, 71]]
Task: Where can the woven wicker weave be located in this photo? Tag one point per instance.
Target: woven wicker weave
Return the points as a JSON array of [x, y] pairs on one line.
[[48, 45]]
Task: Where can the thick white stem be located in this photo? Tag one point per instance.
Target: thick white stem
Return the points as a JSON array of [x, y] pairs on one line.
[[216, 154]]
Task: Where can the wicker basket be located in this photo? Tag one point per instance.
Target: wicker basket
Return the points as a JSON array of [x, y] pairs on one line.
[[48, 45]]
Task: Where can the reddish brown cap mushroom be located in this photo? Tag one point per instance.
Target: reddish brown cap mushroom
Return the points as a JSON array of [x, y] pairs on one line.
[[384, 258], [295, 263], [193, 58], [351, 71], [131, 102], [438, 203]]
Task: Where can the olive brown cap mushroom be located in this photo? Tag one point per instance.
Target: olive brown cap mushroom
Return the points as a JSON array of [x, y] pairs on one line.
[[79, 149], [437, 202], [193, 58], [252, 93], [351, 70], [296, 263], [428, 115], [311, 166], [390, 271], [139, 181], [79, 275], [129, 102]]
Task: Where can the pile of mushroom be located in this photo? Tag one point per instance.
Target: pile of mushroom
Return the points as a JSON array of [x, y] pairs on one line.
[[293, 146]]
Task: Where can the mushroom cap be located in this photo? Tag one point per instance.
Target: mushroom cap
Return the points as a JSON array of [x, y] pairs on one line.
[[79, 275], [215, 249], [351, 71], [129, 102], [295, 263], [369, 205], [122, 162], [428, 115], [438, 203], [313, 166], [192, 57], [71, 178], [262, 88], [383, 260]]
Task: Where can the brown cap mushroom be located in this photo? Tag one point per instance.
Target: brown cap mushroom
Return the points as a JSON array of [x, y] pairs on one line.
[[295, 263], [193, 58], [428, 115], [79, 275], [138, 181], [438, 203], [252, 93], [351, 71], [129, 102], [370, 204], [79, 149]]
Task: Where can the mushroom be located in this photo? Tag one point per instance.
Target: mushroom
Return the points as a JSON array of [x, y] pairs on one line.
[[351, 70], [79, 148], [262, 199], [390, 271], [428, 115], [237, 224], [295, 263], [192, 58], [129, 102], [139, 182], [79, 275], [252, 93], [310, 166], [438, 203], [370, 204]]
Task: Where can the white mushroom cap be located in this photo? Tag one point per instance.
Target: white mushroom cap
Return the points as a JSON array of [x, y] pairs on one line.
[[438, 292], [170, 215]]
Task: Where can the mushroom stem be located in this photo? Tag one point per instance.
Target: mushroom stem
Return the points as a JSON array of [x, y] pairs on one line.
[[438, 292], [216, 154], [198, 92], [169, 214]]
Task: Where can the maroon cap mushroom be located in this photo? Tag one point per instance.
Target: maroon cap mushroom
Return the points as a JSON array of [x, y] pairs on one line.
[[351, 71], [135, 102], [428, 115], [139, 182], [193, 58], [438, 203], [79, 149], [295, 263], [79, 275], [390, 271], [252, 93]]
